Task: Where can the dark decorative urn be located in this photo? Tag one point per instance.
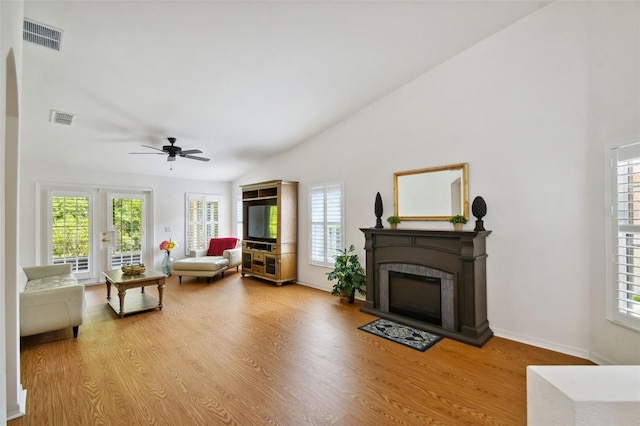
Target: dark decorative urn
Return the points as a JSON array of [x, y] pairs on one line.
[[479, 209], [378, 211]]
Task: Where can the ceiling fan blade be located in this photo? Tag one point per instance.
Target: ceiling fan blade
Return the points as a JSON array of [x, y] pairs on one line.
[[149, 153], [190, 151], [153, 147], [193, 157]]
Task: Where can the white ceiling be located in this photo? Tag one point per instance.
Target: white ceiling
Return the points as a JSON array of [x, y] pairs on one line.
[[239, 80]]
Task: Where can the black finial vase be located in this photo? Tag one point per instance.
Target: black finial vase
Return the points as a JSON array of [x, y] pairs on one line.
[[378, 211], [479, 210]]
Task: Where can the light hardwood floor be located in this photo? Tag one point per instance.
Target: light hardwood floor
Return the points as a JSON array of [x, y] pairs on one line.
[[245, 352]]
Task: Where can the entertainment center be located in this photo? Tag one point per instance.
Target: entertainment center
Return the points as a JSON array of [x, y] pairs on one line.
[[270, 229]]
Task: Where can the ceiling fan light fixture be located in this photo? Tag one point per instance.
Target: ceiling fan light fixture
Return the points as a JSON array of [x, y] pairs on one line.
[[173, 151]]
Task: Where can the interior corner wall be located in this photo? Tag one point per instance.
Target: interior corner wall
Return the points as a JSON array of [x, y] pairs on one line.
[[12, 394], [516, 107]]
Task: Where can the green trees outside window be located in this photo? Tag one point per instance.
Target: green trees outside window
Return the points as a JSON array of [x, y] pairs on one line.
[[70, 227], [71, 230]]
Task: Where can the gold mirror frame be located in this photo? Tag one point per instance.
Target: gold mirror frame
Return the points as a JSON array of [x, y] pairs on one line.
[[436, 193]]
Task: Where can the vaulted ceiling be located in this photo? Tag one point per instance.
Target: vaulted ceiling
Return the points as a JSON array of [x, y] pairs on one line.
[[239, 80]]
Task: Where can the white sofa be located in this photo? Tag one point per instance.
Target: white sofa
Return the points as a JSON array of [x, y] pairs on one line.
[[50, 299], [199, 264]]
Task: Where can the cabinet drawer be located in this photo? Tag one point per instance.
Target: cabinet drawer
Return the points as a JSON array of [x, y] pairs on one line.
[[258, 269], [258, 257]]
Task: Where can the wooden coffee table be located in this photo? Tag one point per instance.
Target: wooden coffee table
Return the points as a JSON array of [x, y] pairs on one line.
[[135, 302]]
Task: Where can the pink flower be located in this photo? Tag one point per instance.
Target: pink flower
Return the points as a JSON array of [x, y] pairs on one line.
[[167, 245]]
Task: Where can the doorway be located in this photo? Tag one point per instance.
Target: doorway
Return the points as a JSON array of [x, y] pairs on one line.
[[95, 229]]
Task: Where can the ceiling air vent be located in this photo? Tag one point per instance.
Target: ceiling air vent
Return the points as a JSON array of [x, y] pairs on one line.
[[43, 35], [62, 118]]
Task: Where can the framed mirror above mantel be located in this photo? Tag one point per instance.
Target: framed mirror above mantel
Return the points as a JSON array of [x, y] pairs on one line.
[[436, 193]]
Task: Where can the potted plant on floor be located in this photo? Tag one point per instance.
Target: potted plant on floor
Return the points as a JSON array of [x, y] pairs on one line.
[[458, 221], [349, 275], [393, 221]]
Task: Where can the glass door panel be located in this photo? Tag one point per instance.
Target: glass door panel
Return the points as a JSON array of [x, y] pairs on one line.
[[126, 213]]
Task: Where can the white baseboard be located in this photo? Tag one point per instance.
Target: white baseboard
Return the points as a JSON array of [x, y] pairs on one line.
[[600, 360], [552, 346], [327, 289], [312, 285], [20, 409]]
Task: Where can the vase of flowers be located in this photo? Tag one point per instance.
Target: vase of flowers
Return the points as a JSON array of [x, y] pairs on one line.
[[167, 262]]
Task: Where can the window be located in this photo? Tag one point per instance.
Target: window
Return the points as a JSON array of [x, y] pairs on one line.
[[70, 230], [203, 220], [239, 220], [623, 236], [326, 207]]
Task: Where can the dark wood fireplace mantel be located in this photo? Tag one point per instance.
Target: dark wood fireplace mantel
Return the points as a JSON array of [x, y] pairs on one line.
[[459, 253]]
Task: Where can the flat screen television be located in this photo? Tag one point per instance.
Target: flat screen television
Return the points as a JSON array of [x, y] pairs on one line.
[[262, 223]]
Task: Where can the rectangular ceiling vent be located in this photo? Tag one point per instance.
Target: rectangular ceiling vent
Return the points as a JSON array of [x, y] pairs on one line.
[[42, 35], [62, 118]]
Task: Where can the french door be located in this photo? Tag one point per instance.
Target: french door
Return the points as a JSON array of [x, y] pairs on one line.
[[70, 230], [126, 224], [95, 230]]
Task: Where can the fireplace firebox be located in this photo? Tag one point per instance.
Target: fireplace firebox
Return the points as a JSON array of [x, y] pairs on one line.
[[431, 280], [415, 296]]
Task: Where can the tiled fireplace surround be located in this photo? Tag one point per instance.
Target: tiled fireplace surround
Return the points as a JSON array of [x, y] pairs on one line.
[[457, 258]]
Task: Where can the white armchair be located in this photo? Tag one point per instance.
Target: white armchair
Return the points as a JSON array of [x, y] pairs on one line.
[[50, 299]]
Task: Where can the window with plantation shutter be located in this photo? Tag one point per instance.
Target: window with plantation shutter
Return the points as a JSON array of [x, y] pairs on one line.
[[326, 217], [623, 231], [239, 220], [203, 220]]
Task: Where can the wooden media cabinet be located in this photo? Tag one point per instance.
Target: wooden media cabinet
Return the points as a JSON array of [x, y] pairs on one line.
[[270, 254]]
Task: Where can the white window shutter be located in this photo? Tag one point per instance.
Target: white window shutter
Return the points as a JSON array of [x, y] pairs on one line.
[[624, 288], [326, 223]]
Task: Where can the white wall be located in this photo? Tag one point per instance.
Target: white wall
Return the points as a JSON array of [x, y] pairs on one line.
[[168, 200], [518, 108], [614, 118]]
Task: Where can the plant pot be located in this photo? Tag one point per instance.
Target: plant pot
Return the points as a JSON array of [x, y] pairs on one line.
[[393, 225], [458, 226], [347, 299]]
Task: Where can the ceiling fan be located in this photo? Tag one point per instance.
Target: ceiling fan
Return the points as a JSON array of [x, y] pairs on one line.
[[172, 151]]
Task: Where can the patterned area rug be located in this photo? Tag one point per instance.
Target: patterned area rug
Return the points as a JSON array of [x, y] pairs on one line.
[[408, 336]]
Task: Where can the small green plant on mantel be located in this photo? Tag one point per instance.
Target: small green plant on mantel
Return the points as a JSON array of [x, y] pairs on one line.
[[393, 221], [349, 274], [458, 221]]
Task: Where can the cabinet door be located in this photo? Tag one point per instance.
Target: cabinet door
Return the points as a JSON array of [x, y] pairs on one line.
[[246, 260], [270, 266]]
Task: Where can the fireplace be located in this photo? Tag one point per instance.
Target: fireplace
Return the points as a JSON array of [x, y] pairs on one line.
[[415, 296], [431, 280]]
